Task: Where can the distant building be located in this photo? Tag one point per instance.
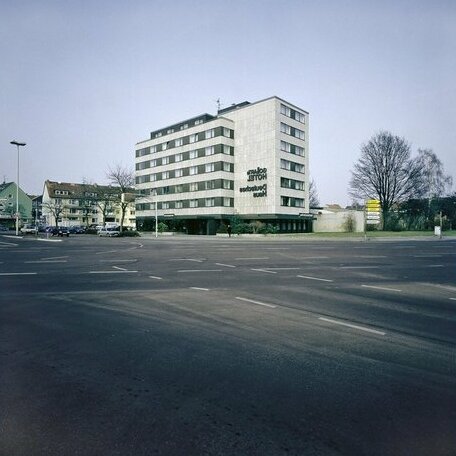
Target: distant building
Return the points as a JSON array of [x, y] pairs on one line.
[[70, 204], [249, 161], [8, 205], [332, 218]]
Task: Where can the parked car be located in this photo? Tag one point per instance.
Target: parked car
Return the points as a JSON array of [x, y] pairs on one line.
[[29, 229], [109, 232], [60, 231]]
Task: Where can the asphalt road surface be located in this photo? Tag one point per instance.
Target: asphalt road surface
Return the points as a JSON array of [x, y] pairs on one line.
[[217, 346]]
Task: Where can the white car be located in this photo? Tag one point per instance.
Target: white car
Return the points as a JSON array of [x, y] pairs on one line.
[[29, 229], [109, 232]]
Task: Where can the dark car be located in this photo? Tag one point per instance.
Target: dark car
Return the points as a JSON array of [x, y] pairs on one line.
[[60, 231]]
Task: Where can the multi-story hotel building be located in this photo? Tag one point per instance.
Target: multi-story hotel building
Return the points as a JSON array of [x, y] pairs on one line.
[[249, 161]]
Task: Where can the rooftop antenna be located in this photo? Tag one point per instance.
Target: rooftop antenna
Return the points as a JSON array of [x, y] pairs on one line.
[[219, 104]]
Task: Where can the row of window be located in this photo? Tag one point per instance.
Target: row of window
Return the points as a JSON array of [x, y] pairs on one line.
[[189, 171], [292, 149], [190, 139], [291, 183], [292, 114], [212, 184], [186, 204], [181, 127], [292, 166], [183, 156], [292, 131], [291, 202]]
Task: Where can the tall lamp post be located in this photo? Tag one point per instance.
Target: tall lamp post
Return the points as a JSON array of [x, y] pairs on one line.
[[17, 144]]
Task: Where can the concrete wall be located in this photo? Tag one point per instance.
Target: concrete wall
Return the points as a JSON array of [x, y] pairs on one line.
[[332, 222]]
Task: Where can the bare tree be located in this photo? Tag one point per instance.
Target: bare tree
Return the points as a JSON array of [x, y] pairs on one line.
[[386, 172], [55, 208], [313, 194], [124, 178], [437, 183]]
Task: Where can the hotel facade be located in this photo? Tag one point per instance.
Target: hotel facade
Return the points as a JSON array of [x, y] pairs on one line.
[[250, 161]]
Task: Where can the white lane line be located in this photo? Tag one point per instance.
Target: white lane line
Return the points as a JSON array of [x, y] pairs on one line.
[[17, 273], [198, 288], [432, 255], [187, 259], [316, 258], [256, 302], [370, 256], [117, 261], [226, 265], [314, 278], [111, 272], [277, 248], [8, 244], [349, 325], [107, 251], [282, 269], [12, 237], [435, 265], [263, 270], [155, 277], [55, 258], [119, 268], [259, 258], [199, 270], [49, 240], [453, 299], [381, 288], [359, 267], [46, 261]]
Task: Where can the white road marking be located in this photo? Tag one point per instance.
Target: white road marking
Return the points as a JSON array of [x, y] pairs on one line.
[[199, 270], [187, 259], [226, 265], [13, 237], [17, 273], [111, 272], [277, 248], [259, 258], [198, 288], [49, 240], [314, 278], [55, 258], [256, 302], [119, 268], [381, 288], [155, 277], [282, 269], [107, 251], [263, 270], [432, 255], [117, 261], [435, 265], [453, 299], [8, 244], [316, 258], [349, 325], [46, 261], [359, 267], [370, 256]]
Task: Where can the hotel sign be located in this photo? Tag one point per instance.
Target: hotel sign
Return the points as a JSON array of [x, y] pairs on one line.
[[258, 174]]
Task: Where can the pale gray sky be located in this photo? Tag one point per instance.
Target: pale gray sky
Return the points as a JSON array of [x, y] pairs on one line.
[[82, 81]]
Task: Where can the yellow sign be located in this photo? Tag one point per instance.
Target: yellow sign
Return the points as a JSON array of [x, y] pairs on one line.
[[373, 205]]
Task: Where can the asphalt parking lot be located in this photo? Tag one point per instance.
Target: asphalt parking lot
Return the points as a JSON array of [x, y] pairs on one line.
[[227, 346]]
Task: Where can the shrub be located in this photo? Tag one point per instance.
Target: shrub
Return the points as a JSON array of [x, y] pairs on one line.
[[349, 224], [162, 227], [129, 233]]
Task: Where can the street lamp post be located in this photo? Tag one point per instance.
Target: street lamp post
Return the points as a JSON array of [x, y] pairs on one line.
[[17, 144]]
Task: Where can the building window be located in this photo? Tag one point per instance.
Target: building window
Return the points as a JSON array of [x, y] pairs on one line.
[[179, 172], [291, 183], [291, 166], [193, 138], [291, 202], [165, 160], [299, 151], [209, 150], [179, 188], [226, 149], [193, 154], [209, 167], [165, 205], [153, 177], [284, 128], [300, 117], [285, 110], [210, 202], [199, 121], [285, 201], [226, 167], [193, 187], [193, 170], [210, 185], [179, 157], [193, 203], [179, 205], [208, 134], [285, 146], [153, 149], [178, 142], [165, 175], [299, 134], [226, 132], [226, 184], [165, 146], [165, 190], [153, 163], [227, 202]]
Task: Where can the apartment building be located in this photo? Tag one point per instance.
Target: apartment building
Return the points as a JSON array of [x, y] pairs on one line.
[[72, 204], [249, 161]]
